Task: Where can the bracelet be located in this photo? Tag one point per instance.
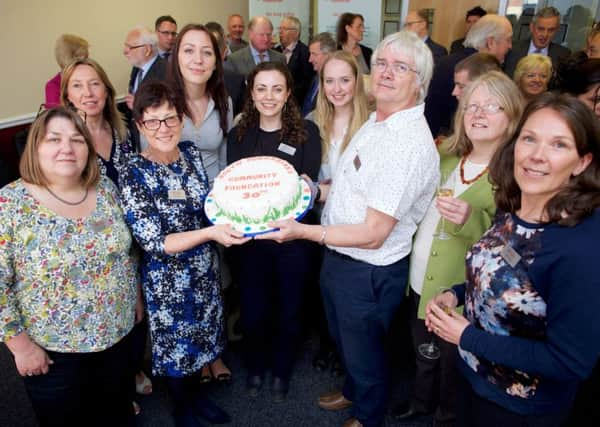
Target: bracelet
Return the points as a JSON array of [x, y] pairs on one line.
[[323, 234]]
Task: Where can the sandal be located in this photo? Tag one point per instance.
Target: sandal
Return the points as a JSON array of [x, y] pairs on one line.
[[206, 375], [145, 386], [220, 372]]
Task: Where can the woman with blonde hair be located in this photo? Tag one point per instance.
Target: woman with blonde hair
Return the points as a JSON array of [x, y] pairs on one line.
[[487, 116], [341, 107], [340, 111], [86, 88], [533, 74], [68, 48]]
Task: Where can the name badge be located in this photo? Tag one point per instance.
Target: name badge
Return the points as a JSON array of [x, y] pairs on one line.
[[357, 163], [176, 194], [287, 149], [511, 256]]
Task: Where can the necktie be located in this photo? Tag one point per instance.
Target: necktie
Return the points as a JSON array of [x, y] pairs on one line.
[[537, 51], [261, 57], [165, 55], [138, 79]]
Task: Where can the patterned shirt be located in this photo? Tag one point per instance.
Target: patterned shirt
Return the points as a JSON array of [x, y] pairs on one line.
[[532, 297], [69, 283], [391, 166]]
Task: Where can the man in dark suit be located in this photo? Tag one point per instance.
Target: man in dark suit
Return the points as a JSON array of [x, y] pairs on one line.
[[141, 51], [491, 34], [235, 27], [472, 17], [320, 47], [235, 84], [260, 31], [296, 55], [166, 32], [543, 28], [417, 22]]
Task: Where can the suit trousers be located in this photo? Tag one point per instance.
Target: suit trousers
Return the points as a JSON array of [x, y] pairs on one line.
[[360, 301], [272, 280], [85, 389], [434, 388]]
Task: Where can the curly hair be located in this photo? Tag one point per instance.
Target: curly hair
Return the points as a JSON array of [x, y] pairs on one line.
[[581, 195], [215, 86], [292, 128]]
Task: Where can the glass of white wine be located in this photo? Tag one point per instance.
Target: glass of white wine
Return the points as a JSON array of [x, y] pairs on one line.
[[445, 189], [430, 350]]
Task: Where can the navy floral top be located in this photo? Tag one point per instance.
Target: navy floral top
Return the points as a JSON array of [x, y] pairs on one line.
[[532, 295]]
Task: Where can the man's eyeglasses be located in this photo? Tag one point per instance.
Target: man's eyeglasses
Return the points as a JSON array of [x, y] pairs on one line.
[[409, 23], [168, 33], [130, 47], [396, 67], [154, 124], [486, 108]]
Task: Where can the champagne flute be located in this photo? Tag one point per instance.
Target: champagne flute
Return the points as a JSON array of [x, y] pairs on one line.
[[430, 350], [445, 189]]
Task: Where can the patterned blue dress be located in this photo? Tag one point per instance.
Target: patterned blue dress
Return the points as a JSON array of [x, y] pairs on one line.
[[183, 296]]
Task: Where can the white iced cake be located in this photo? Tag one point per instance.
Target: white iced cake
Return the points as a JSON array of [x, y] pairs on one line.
[[256, 190]]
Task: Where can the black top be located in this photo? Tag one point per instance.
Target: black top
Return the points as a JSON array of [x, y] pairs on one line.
[[305, 157]]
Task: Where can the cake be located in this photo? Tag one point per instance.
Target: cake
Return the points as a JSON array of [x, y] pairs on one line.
[[253, 191]]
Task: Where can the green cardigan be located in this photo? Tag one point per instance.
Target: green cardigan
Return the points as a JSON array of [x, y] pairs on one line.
[[446, 263]]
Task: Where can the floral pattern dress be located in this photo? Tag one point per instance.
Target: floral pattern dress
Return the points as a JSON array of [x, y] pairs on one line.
[[69, 283], [183, 297]]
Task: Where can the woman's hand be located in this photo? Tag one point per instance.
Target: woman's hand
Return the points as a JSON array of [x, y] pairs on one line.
[[454, 210], [30, 358], [289, 229], [227, 236], [448, 325]]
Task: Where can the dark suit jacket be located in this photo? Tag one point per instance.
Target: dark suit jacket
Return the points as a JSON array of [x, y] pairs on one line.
[[556, 53], [437, 50], [302, 70], [367, 53], [440, 105], [235, 85], [457, 45], [157, 71], [242, 62]]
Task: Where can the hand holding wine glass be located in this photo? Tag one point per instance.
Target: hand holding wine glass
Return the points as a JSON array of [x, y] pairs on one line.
[[446, 299]]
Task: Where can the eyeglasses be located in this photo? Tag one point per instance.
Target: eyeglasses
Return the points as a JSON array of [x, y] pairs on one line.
[[154, 124], [486, 108], [130, 47], [168, 33], [409, 23], [396, 67], [287, 29]]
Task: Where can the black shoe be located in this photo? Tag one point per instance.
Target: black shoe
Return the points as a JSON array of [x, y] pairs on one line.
[[254, 384], [321, 361], [279, 389], [186, 418], [207, 409], [405, 411]]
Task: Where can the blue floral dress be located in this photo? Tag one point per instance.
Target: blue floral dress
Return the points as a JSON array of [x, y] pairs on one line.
[[183, 297]]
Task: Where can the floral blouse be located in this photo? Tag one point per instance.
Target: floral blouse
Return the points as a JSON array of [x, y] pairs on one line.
[[70, 284]]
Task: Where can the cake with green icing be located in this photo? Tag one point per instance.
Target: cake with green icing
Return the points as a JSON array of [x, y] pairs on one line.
[[256, 190]]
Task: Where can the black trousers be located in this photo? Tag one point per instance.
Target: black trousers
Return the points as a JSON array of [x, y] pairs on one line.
[[85, 389], [272, 279], [434, 389], [475, 411]]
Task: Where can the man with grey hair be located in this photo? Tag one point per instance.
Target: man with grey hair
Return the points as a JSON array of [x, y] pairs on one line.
[[296, 55], [243, 61], [382, 187], [319, 48], [543, 27], [491, 34], [141, 51]]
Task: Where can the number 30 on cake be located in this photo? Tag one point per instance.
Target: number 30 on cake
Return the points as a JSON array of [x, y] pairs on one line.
[[254, 191]]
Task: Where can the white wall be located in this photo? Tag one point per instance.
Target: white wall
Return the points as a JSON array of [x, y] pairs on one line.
[[30, 28]]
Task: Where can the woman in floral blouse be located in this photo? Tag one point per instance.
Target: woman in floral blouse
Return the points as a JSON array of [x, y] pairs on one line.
[[163, 190], [67, 281]]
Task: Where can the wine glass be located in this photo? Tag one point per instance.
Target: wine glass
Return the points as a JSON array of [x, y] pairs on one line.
[[430, 350], [445, 189]]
